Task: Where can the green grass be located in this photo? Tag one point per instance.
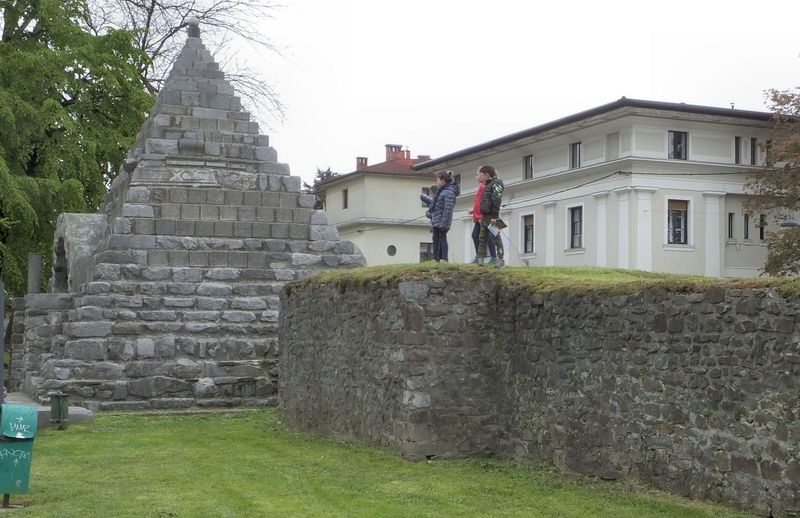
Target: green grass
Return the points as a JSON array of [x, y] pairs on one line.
[[552, 279], [248, 464]]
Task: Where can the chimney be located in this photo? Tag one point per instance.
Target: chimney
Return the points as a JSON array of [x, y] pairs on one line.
[[361, 163], [393, 152]]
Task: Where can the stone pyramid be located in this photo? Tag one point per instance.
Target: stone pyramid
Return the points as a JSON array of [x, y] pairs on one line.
[[200, 231]]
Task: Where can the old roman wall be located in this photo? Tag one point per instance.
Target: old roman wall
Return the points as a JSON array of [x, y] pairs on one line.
[[694, 393]]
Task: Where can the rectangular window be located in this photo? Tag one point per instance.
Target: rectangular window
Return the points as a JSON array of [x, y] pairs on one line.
[[731, 219], [576, 227], [737, 150], [762, 226], [425, 252], [753, 151], [677, 222], [678, 141], [527, 237], [527, 167], [575, 155], [747, 226], [344, 198]]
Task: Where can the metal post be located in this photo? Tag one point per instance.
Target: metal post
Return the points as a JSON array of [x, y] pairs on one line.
[[3, 341], [34, 273]]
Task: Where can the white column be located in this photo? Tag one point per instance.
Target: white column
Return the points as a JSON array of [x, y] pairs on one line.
[[601, 235], [550, 233], [623, 219], [644, 228], [713, 267]]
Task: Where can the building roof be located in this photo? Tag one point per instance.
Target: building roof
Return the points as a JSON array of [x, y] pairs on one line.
[[396, 167], [600, 110]]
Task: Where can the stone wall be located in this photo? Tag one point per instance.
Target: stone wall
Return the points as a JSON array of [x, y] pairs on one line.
[[17, 323], [695, 393]]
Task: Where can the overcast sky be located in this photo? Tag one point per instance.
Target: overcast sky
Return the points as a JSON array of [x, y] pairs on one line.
[[437, 76]]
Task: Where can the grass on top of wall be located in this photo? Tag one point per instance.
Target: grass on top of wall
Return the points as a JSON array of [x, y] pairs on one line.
[[248, 464], [573, 280]]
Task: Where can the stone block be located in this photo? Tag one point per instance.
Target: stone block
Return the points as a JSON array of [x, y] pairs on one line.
[[280, 230], [306, 260], [157, 386], [184, 228], [198, 258], [144, 226], [87, 350], [248, 303], [307, 201], [252, 198], [223, 274], [178, 195], [170, 211], [217, 258], [215, 197], [201, 327], [187, 274], [161, 146], [190, 211], [237, 259], [292, 183], [178, 257], [223, 229], [209, 212], [214, 290], [228, 213], [138, 194], [247, 213], [270, 199], [157, 273], [165, 226], [242, 229], [234, 197], [204, 228], [87, 329], [239, 316], [178, 302], [145, 348], [189, 146], [130, 210], [298, 231], [211, 304], [283, 215]]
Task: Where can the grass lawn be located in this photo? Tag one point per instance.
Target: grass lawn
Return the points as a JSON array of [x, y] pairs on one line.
[[248, 464]]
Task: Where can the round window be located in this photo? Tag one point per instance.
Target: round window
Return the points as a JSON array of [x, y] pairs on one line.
[[391, 250]]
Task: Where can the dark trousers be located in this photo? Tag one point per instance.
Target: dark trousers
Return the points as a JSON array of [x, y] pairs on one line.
[[485, 237], [440, 247], [476, 232]]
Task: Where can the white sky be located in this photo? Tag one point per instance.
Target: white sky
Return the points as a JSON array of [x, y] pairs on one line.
[[437, 76]]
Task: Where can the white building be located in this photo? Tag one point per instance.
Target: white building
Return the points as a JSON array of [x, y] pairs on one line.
[[631, 184], [378, 208]]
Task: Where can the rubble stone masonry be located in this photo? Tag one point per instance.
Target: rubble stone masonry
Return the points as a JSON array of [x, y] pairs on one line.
[[694, 393]]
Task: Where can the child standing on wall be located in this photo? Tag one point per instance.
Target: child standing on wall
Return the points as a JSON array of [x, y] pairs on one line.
[[490, 209], [442, 205]]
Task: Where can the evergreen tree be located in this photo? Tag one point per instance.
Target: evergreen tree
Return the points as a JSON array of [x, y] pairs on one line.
[[71, 103], [314, 189]]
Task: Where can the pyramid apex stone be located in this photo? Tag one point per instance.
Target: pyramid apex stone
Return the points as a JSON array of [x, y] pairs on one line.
[[193, 29]]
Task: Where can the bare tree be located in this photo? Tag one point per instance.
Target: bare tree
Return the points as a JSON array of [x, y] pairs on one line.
[[160, 24]]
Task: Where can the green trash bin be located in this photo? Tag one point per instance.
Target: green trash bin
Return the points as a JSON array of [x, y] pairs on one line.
[[17, 430]]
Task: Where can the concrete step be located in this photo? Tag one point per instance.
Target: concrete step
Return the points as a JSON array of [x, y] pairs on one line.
[[75, 414]]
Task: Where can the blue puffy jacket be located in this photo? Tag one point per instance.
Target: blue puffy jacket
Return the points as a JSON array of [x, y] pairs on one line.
[[442, 207]]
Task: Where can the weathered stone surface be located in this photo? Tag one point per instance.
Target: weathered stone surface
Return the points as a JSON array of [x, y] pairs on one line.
[[177, 277], [651, 384]]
